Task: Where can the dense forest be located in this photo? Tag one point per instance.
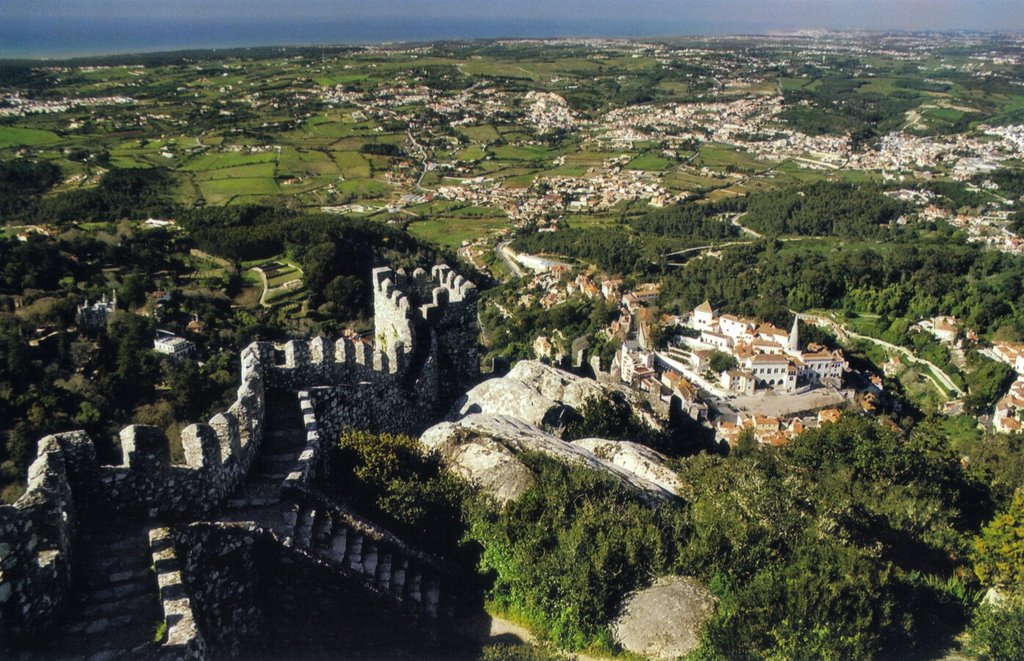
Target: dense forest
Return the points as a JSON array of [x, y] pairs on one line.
[[120, 193], [853, 542], [642, 243], [838, 106], [823, 209], [336, 254]]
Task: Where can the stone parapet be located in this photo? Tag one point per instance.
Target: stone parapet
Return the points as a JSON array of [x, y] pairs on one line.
[[182, 639], [423, 350], [36, 533], [305, 471]]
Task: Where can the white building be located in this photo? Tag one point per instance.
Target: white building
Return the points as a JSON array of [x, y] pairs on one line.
[[740, 381], [772, 357], [171, 345], [703, 316], [718, 340], [945, 329], [822, 367], [736, 327], [633, 363], [772, 370]]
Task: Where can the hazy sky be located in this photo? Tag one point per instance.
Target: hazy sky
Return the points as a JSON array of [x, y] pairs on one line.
[[719, 15]]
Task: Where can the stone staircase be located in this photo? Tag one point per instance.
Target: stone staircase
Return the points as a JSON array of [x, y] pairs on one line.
[[113, 610], [258, 498], [381, 562]]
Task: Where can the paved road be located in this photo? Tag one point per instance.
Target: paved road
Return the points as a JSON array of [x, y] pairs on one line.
[[423, 156], [707, 247], [744, 228], [266, 285], [509, 261], [943, 380]]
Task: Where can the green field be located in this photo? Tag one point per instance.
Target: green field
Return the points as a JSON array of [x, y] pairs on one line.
[[219, 191], [352, 164], [470, 154], [256, 170], [453, 231], [214, 161], [723, 156], [512, 153], [649, 162], [365, 188], [483, 134], [15, 136]]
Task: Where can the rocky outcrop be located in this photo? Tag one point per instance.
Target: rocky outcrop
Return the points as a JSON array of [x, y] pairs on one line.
[[484, 448], [532, 392], [638, 459], [665, 621]]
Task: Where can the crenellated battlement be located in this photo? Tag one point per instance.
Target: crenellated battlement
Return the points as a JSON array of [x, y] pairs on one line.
[[38, 529], [424, 345], [460, 289]]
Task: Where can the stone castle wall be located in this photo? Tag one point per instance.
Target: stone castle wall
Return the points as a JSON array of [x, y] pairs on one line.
[[423, 357], [425, 346], [252, 594], [37, 531]]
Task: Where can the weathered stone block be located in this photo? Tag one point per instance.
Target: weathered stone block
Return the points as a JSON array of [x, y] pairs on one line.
[[201, 446], [144, 446]]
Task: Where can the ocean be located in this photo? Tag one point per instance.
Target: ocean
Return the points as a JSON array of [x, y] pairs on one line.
[[55, 37]]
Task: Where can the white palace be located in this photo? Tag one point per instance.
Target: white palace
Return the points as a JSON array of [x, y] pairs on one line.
[[768, 357]]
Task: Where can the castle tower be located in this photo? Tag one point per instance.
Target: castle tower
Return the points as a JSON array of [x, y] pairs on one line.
[[793, 345], [395, 333]]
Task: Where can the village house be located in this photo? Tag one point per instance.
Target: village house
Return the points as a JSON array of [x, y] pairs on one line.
[[687, 393], [767, 430], [1011, 354], [740, 381], [633, 363], [945, 329], [703, 316], [611, 289], [1009, 409]]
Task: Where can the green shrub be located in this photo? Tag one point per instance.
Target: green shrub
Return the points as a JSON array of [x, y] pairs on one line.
[[565, 553], [997, 633], [389, 476]]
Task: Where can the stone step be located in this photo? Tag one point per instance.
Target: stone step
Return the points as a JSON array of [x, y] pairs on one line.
[[106, 545], [118, 576], [279, 457], [275, 473], [123, 605], [113, 594], [253, 502], [113, 608]]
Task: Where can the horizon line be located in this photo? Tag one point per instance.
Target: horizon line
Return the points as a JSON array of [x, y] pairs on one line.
[[794, 32]]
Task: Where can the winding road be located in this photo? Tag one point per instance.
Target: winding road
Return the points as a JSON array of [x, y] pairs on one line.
[[940, 379]]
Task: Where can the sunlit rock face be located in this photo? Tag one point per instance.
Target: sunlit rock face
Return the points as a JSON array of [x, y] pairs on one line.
[[665, 621], [532, 392], [484, 448]]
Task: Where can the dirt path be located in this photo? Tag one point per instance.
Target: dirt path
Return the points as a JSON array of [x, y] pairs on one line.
[[494, 630]]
